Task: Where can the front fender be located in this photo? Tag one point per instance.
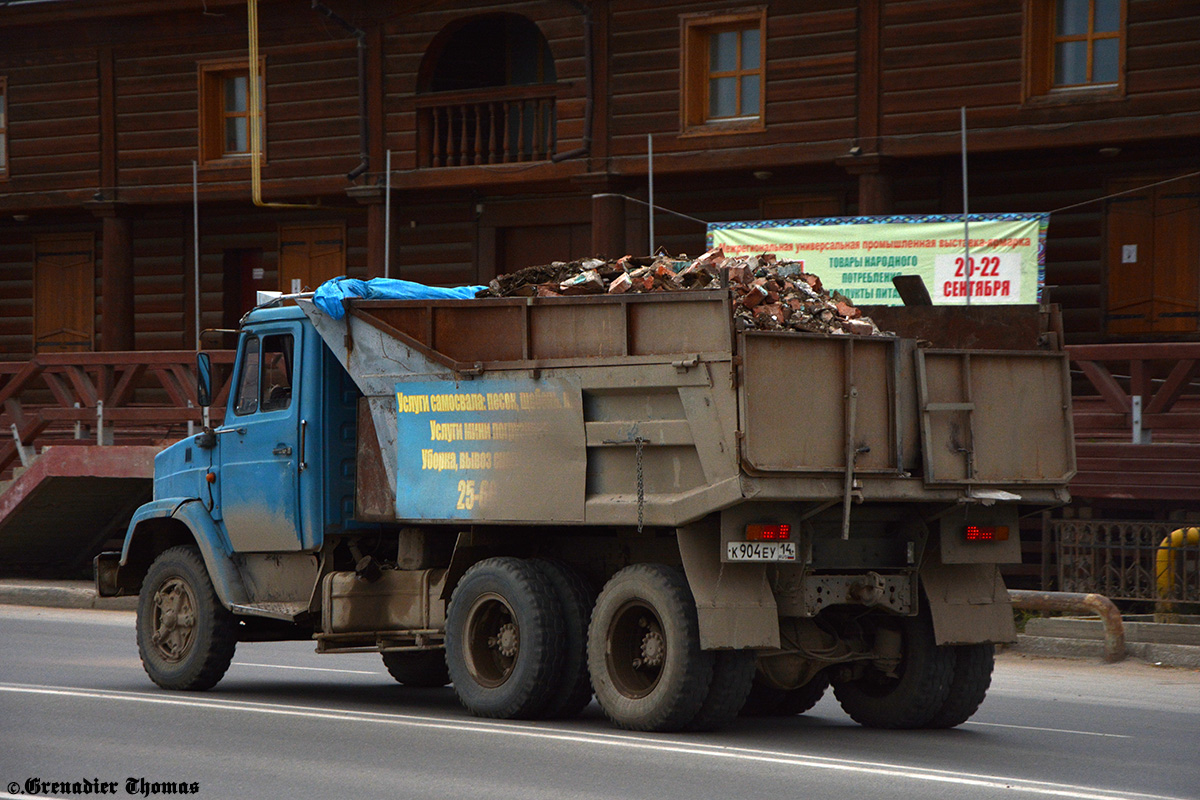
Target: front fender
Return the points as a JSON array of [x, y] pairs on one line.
[[192, 515]]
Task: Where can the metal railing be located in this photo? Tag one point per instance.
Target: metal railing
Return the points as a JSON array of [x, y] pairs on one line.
[[487, 126], [100, 398], [1126, 560]]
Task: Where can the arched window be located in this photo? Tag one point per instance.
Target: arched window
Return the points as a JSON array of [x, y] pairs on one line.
[[487, 88]]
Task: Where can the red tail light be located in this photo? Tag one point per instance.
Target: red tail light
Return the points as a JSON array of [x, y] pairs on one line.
[[987, 533], [759, 532]]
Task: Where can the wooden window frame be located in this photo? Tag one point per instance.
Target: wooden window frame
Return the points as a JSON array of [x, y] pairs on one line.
[[695, 33], [1040, 39], [211, 76], [5, 142]]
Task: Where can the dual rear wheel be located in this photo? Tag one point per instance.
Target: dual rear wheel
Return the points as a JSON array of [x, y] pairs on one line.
[[525, 640]]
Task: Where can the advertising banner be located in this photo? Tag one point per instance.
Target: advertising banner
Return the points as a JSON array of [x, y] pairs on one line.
[[859, 256]]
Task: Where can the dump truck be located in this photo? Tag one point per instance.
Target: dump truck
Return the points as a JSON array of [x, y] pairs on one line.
[[539, 500]]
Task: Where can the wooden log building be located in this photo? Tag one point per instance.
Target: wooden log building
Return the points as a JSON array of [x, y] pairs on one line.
[[516, 132]]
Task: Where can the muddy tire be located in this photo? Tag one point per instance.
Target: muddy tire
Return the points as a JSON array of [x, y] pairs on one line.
[[973, 665], [917, 692], [504, 639], [422, 669], [185, 637], [644, 652], [573, 689], [733, 674], [767, 701]]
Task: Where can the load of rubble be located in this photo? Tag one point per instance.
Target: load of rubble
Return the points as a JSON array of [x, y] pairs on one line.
[[769, 294]]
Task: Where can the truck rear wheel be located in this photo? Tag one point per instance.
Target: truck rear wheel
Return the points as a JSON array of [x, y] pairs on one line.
[[185, 637], [733, 674], [913, 692], [644, 652], [422, 669], [767, 701], [573, 690], [504, 636], [973, 665]]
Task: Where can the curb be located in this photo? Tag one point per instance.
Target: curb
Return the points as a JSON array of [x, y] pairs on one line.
[[1162, 655], [61, 595]]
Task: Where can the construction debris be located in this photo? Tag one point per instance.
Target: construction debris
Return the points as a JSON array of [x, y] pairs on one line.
[[768, 294]]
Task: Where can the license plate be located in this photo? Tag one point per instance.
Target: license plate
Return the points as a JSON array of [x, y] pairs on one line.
[[760, 551]]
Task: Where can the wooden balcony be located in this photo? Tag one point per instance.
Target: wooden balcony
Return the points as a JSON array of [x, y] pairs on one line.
[[1137, 421], [505, 125]]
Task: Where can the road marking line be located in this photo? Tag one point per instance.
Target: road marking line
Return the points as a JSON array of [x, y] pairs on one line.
[[1051, 730], [520, 730], [310, 669]]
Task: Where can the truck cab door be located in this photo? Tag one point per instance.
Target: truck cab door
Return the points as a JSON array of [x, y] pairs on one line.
[[259, 445]]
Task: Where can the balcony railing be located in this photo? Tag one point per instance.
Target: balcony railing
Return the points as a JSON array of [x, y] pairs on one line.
[[1137, 393], [101, 398], [486, 126]]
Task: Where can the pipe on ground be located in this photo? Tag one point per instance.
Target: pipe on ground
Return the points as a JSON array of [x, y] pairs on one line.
[[1114, 627]]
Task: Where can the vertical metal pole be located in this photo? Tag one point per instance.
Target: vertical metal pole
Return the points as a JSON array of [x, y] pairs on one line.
[[650, 173], [966, 224], [196, 244], [387, 218]]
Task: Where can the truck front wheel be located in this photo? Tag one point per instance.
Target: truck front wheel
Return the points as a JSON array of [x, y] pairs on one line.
[[185, 637], [422, 669], [908, 694], [644, 654], [504, 639]]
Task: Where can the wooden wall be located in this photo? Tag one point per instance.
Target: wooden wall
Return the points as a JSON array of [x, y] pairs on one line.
[[113, 107], [810, 101]]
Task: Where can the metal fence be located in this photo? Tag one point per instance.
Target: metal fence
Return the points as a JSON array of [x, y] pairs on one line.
[[1158, 561]]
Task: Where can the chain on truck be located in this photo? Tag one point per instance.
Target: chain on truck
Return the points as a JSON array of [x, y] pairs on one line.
[[542, 499]]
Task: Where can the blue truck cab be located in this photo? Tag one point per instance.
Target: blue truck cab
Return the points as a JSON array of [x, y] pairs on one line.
[[256, 496]]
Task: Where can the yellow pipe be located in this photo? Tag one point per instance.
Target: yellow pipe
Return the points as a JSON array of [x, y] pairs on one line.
[[256, 143], [1164, 560]]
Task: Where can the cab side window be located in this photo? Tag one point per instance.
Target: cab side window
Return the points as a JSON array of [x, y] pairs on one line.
[[276, 372], [247, 396], [266, 381]]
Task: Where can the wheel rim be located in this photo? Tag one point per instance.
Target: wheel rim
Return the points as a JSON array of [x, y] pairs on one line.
[[174, 619], [493, 640], [637, 649]]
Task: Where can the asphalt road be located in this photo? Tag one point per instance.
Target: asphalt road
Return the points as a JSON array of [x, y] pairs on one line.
[[75, 706]]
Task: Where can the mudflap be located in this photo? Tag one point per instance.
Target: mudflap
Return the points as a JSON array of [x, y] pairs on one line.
[[734, 602], [968, 602]]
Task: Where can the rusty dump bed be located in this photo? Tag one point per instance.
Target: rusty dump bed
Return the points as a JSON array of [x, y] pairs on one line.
[[607, 410]]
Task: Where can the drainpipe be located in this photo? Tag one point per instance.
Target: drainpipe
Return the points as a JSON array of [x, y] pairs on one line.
[[256, 132], [588, 58], [364, 131]]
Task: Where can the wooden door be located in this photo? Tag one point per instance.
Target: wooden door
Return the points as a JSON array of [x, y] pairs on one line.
[[309, 255], [1177, 257], [64, 293], [1153, 258]]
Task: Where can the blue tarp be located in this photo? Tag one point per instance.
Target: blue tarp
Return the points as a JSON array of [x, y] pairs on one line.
[[329, 295]]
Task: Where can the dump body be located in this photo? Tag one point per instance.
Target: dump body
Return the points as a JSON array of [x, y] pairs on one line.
[[588, 389]]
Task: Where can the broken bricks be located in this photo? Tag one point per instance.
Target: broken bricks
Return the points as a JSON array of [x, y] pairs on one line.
[[768, 293]]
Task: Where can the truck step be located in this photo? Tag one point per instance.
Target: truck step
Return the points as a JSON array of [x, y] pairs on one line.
[[288, 612]]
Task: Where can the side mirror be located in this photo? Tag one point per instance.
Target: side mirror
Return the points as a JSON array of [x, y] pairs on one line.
[[204, 379]]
